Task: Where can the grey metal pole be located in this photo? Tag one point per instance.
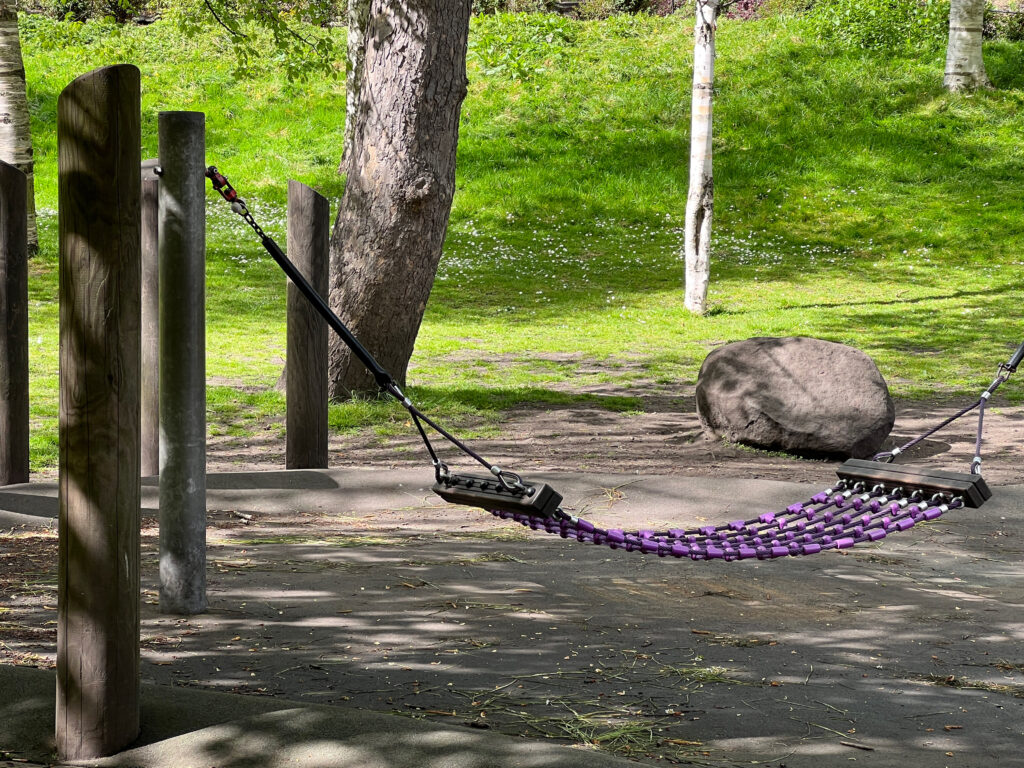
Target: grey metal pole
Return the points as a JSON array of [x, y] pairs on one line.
[[13, 326], [182, 363], [309, 228], [150, 318], [98, 138]]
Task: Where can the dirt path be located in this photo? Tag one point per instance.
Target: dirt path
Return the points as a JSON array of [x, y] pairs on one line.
[[663, 437]]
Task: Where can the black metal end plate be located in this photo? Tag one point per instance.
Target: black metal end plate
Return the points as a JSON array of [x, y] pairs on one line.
[[972, 488], [488, 493]]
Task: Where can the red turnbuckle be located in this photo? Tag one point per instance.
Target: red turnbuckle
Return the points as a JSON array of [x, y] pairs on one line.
[[221, 184]]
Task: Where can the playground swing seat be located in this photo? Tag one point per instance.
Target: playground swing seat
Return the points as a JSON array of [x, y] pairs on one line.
[[870, 500]]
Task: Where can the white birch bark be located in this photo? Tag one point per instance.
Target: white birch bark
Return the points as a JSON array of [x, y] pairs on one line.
[[15, 136], [355, 42], [700, 200], [965, 68]]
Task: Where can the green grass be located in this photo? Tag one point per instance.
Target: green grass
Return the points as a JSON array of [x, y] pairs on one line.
[[855, 201]]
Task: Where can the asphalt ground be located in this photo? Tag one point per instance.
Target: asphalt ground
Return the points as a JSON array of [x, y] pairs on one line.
[[354, 620]]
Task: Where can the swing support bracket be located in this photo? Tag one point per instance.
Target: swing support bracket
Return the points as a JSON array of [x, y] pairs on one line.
[[490, 493], [971, 488]]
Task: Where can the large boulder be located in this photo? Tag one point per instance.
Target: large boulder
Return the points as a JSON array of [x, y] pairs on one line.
[[800, 395]]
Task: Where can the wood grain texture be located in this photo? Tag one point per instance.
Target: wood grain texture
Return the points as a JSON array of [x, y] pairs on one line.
[[13, 326], [150, 320], [98, 134], [182, 137], [309, 228]]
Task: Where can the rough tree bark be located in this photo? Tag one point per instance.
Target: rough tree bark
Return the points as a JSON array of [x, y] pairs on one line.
[[401, 179], [965, 68], [700, 200], [15, 137]]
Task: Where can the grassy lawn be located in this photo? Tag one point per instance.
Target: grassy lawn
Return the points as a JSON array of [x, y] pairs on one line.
[[855, 201]]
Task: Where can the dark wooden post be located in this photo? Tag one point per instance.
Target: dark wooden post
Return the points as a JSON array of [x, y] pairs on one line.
[[98, 138], [182, 362], [150, 319], [309, 227], [13, 326]]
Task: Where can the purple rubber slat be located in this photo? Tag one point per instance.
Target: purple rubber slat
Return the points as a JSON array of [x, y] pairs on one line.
[[829, 520]]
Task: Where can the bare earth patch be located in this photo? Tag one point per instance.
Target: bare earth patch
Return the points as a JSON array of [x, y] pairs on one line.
[[662, 437]]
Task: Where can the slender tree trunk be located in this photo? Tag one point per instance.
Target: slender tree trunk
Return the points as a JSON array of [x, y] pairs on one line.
[[700, 200], [15, 136], [965, 68], [401, 179], [355, 41]]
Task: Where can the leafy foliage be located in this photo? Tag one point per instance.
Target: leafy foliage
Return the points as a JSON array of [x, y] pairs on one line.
[[70, 10], [1004, 23], [508, 6], [519, 46], [300, 50], [883, 25]]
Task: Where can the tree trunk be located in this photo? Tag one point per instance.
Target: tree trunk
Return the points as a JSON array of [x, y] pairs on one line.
[[700, 200], [355, 41], [965, 68], [15, 136], [401, 179]]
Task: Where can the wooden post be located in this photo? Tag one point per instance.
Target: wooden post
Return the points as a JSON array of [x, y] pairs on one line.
[[13, 326], [309, 227], [182, 362], [150, 319], [98, 139]]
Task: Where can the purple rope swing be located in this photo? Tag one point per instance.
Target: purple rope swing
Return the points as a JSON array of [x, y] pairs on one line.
[[836, 518]]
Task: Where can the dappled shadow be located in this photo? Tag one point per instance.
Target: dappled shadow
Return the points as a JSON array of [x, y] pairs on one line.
[[437, 614], [284, 480], [32, 504], [1007, 291], [817, 123]]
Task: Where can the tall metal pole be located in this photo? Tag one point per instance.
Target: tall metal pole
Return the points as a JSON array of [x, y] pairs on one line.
[[98, 140], [309, 228], [182, 363], [150, 318], [13, 326]]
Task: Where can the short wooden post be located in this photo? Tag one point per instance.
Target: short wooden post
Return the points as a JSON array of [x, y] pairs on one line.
[[13, 326], [150, 318], [98, 139], [182, 362], [309, 229]]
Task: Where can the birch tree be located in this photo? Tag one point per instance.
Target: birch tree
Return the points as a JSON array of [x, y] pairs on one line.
[[965, 68], [700, 200], [15, 135], [355, 41]]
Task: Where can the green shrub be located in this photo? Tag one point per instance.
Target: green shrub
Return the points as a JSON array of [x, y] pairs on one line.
[[70, 10], [596, 9], [892, 25], [1005, 23], [509, 6], [520, 46], [120, 11]]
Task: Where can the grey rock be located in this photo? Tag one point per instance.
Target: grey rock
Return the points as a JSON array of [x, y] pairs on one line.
[[799, 395]]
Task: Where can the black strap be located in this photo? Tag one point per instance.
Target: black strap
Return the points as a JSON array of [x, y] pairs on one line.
[[384, 380], [1005, 370]]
